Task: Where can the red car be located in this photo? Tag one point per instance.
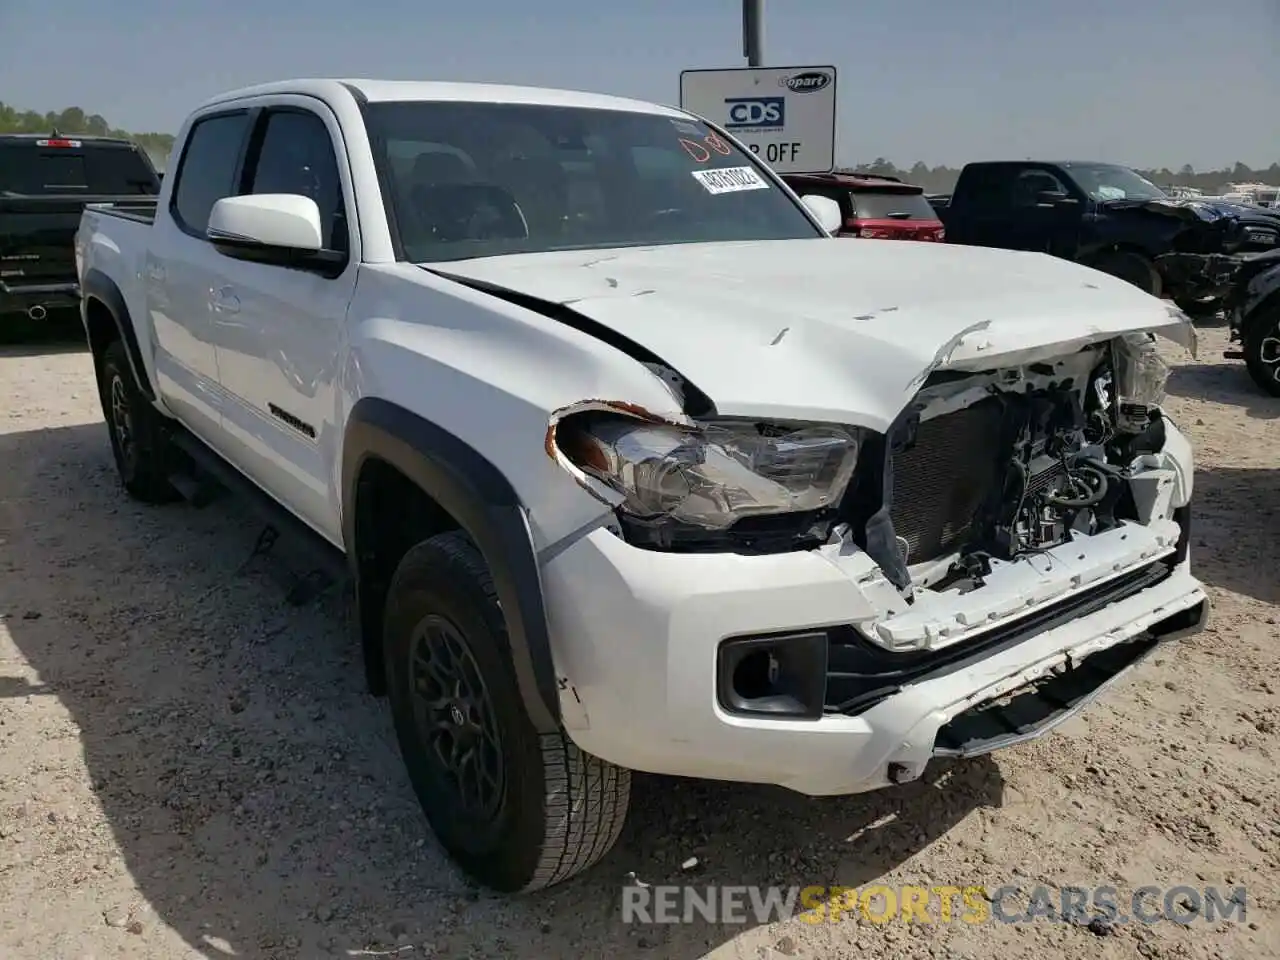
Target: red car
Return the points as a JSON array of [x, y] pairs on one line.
[[874, 207]]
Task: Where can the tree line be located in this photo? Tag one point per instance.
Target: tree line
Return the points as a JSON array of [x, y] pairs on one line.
[[938, 179], [74, 120]]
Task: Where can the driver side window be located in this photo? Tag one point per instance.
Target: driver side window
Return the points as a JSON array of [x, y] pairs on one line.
[[295, 155], [1031, 183]]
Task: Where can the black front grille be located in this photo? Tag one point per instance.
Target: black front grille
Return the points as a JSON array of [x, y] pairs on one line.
[[941, 480]]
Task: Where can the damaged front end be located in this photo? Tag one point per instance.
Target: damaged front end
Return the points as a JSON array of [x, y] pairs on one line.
[[979, 466], [998, 502], [1209, 248]]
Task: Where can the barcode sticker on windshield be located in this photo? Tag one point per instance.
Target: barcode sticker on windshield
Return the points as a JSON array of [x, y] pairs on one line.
[[729, 179]]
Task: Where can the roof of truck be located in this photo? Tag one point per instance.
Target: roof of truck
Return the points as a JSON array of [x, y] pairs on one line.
[[379, 91]]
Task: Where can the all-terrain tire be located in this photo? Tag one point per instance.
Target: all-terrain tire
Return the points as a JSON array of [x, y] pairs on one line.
[[139, 445], [558, 810], [1262, 350], [1132, 268]]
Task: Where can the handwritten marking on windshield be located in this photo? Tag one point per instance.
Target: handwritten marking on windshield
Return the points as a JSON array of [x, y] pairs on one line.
[[699, 153], [717, 143]]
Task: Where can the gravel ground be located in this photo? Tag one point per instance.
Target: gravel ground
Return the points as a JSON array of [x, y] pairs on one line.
[[189, 766]]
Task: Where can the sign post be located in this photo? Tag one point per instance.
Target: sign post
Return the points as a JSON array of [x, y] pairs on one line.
[[784, 115]]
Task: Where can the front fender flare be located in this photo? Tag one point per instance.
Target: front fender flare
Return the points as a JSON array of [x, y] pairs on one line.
[[476, 494]]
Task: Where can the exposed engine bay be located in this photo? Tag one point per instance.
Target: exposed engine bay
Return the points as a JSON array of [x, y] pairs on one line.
[[995, 466]]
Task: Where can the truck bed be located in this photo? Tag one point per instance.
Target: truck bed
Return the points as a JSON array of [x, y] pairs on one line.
[[142, 211]]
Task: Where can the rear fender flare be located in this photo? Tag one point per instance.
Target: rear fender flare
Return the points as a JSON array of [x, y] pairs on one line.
[[96, 285], [485, 505]]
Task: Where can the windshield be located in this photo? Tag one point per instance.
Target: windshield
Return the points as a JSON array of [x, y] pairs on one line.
[[466, 180], [27, 168], [1105, 182]]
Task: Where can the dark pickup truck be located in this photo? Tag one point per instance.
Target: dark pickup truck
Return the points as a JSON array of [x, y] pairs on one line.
[[1253, 313], [45, 183], [1108, 217]]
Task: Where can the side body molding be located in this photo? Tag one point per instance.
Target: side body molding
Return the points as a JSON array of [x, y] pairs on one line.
[[483, 502], [96, 285]]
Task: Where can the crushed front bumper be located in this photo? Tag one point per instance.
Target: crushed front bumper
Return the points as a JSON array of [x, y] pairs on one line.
[[644, 642]]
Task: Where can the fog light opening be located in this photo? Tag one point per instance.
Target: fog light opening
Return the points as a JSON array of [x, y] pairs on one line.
[[756, 675]]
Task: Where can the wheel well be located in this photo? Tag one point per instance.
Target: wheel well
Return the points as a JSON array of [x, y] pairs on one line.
[[392, 514], [1119, 248], [100, 326]]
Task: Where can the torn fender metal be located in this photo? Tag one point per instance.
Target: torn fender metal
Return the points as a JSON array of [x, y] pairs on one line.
[[863, 322], [551, 443]]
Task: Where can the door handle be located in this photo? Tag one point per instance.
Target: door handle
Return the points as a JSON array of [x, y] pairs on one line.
[[225, 301]]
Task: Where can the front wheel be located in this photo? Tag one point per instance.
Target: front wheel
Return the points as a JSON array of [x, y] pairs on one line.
[[1262, 350], [517, 810], [1132, 268]]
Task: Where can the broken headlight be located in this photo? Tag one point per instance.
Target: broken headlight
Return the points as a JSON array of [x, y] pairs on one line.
[[716, 473], [1140, 379]]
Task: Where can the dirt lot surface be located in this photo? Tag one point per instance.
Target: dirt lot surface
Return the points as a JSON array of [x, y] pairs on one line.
[[189, 766]]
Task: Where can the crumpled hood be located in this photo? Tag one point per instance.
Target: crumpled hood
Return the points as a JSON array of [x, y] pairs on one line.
[[1206, 210], [825, 329]]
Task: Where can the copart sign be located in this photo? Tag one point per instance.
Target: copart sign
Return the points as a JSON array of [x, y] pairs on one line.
[[784, 115]]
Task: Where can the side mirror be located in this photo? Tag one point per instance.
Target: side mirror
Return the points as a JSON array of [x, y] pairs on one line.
[[825, 210], [282, 229], [283, 221]]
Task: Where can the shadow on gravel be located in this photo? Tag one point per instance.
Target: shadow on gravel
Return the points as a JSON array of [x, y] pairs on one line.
[[256, 792], [60, 332], [1236, 530], [1226, 383]]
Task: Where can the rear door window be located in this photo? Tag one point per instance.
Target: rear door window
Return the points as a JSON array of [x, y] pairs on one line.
[[892, 206], [296, 156], [30, 169]]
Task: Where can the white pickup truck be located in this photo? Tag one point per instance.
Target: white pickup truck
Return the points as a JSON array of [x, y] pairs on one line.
[[634, 466]]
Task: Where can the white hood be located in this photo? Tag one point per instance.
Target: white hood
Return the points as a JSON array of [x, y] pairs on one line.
[[832, 330]]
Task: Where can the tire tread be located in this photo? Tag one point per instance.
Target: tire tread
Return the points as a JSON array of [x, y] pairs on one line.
[[586, 798]]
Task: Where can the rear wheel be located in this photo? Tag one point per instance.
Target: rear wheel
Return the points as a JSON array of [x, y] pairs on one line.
[[517, 810], [1132, 268], [138, 442], [1262, 350]]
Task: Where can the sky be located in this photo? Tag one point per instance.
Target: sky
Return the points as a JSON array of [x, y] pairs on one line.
[[1148, 83]]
